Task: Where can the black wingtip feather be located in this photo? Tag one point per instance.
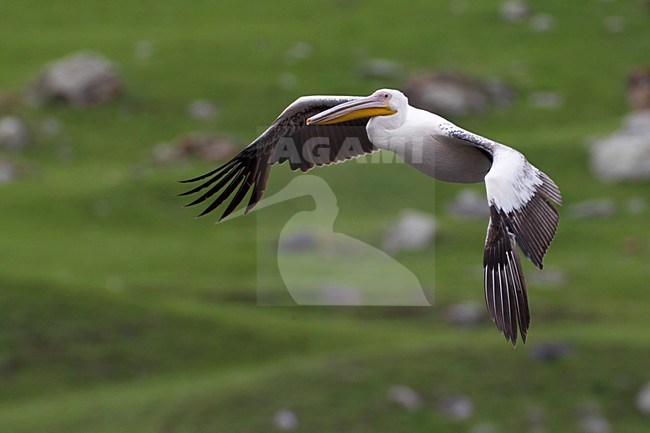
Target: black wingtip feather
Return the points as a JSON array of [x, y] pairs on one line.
[[505, 286], [210, 173]]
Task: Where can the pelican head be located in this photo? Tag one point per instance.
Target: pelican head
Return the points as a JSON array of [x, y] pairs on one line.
[[383, 102]]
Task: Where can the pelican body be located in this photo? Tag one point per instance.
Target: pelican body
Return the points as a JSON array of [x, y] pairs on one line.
[[321, 130]]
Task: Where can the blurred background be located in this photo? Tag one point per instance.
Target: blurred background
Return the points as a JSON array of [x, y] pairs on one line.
[[120, 312]]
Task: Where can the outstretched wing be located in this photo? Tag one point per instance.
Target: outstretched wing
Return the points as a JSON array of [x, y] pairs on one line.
[[287, 139], [521, 200]]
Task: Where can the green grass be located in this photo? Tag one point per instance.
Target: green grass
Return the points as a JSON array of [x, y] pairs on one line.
[[121, 313]]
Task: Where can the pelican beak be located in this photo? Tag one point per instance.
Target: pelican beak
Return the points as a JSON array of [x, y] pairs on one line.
[[365, 107]]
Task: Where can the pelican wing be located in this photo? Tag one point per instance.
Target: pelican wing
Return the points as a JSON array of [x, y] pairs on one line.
[[521, 200], [287, 139]]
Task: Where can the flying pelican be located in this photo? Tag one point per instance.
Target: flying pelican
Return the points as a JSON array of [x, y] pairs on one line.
[[321, 130]]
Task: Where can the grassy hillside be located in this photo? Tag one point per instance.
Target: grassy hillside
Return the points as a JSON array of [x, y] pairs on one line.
[[122, 313]]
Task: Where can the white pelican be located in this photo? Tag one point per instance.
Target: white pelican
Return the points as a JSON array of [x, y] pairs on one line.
[[519, 195]]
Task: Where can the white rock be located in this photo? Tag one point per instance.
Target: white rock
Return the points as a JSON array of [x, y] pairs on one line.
[[591, 419], [547, 100], [405, 396], [643, 400], [143, 50], [457, 6], [541, 23], [549, 278], [614, 24], [594, 424], [285, 420], [624, 155], [202, 146], [338, 294], [414, 231], [51, 126], [638, 89], [485, 427], [458, 407], [595, 208], [13, 133], [514, 10], [381, 68], [536, 419], [297, 242], [81, 79], [550, 351], [7, 172], [469, 204], [465, 314], [455, 94], [636, 205], [298, 51], [202, 109], [287, 81], [114, 283]]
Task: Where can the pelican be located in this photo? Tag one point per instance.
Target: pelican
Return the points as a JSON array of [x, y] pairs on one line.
[[321, 130]]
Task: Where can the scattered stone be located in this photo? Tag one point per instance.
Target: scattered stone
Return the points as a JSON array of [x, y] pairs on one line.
[[285, 420], [195, 145], [590, 209], [638, 89], [143, 50], [51, 126], [297, 242], [469, 204], [100, 208], [500, 94], [594, 424], [114, 284], [7, 172], [451, 93], [298, 51], [338, 294], [643, 400], [536, 419], [485, 427], [551, 351], [287, 81], [541, 23], [457, 7], [457, 407], [405, 397], [514, 10], [551, 278], [591, 420], [202, 109], [636, 205], [546, 100], [632, 245], [414, 231], [625, 154], [13, 133], [80, 79], [614, 24], [381, 68], [465, 314]]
